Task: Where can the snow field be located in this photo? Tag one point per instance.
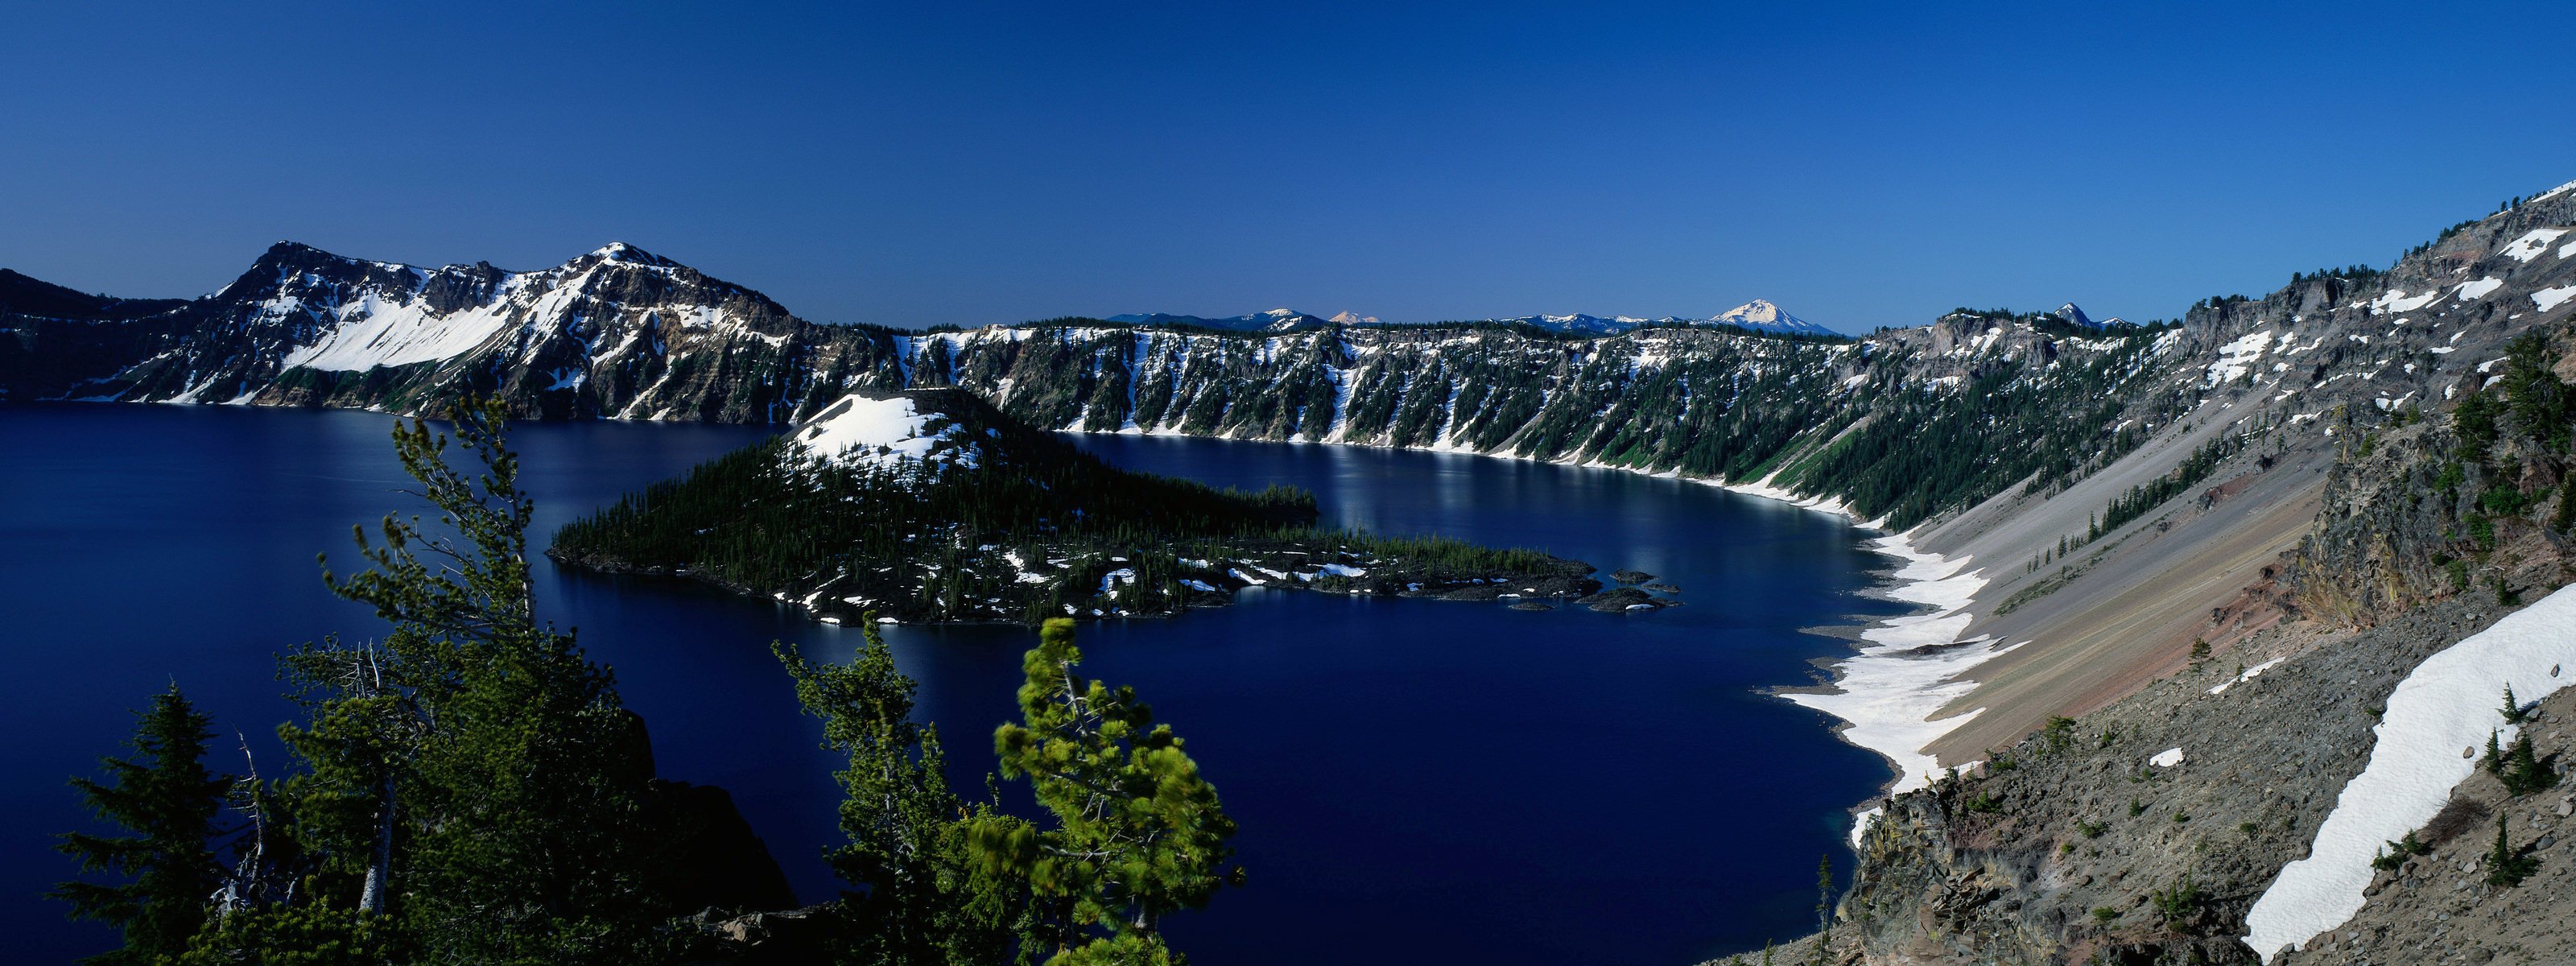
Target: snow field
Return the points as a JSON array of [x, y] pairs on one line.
[[862, 430], [2448, 703]]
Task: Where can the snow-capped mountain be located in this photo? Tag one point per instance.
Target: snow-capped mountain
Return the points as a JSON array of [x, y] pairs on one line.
[[1760, 315], [615, 332]]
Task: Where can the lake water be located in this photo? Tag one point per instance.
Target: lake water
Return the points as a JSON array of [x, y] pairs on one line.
[[1415, 780]]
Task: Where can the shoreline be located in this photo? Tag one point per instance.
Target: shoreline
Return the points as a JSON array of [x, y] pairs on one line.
[[1907, 668], [1904, 669]]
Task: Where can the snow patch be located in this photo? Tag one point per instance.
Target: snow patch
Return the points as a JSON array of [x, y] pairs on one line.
[[862, 430], [2532, 244], [2237, 358], [2247, 675], [2395, 300], [2442, 707]]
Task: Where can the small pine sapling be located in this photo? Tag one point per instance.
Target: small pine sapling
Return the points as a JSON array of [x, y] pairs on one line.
[[2508, 866]]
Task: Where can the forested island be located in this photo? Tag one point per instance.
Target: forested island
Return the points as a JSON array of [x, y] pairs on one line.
[[931, 505]]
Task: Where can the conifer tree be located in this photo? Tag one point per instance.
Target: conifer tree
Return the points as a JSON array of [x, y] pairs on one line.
[[924, 902], [167, 799], [2522, 770], [2506, 865], [1138, 832], [1824, 903], [473, 771]]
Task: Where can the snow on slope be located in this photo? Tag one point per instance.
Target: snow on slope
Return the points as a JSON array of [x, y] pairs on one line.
[[370, 331], [377, 327], [860, 430], [2237, 358], [2447, 704], [2532, 244]]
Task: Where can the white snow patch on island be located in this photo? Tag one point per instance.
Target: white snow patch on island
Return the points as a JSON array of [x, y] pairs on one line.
[[862, 430], [1109, 582], [2473, 291], [2448, 703], [2532, 244], [2549, 298], [2166, 758]]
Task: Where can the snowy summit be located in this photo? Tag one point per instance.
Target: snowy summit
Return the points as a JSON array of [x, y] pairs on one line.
[[860, 430], [1762, 316]]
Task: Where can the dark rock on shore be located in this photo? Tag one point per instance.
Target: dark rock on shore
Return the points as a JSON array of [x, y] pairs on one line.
[[1619, 600]]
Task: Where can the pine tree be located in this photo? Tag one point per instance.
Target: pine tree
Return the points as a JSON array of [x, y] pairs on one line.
[[2506, 865], [473, 775], [2522, 770], [2512, 711], [1824, 903], [1138, 832], [923, 900], [168, 800]]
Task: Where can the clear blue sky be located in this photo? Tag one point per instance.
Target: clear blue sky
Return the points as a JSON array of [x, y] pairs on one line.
[[960, 163]]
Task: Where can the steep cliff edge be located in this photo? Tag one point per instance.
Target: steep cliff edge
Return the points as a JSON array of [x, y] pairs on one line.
[[2147, 830]]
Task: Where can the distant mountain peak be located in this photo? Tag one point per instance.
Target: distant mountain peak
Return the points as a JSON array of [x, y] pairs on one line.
[[2076, 315], [618, 251], [1347, 317], [1762, 315]]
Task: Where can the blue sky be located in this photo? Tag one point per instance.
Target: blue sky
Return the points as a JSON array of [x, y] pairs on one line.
[[959, 163]]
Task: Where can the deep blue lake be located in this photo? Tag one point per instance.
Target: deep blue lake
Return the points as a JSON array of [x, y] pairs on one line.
[[1415, 780]]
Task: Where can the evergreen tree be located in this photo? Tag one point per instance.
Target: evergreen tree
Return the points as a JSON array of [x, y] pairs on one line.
[[1824, 903], [167, 799], [473, 775], [923, 902], [2522, 771], [1138, 834], [2508, 866]]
